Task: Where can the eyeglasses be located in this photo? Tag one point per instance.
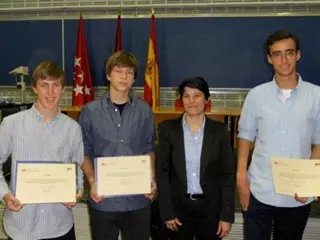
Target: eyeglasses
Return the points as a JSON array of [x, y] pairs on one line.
[[287, 53]]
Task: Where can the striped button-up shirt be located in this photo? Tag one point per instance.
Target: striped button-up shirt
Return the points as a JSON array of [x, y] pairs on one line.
[[27, 137], [282, 128]]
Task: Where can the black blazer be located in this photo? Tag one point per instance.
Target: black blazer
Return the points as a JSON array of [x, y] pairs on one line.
[[217, 171]]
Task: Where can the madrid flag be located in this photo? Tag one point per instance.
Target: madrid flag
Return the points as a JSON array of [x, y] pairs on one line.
[[82, 82], [151, 83]]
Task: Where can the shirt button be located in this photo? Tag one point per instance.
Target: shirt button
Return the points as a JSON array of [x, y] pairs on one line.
[[121, 140], [283, 131], [118, 125], [42, 210], [194, 174], [116, 109]]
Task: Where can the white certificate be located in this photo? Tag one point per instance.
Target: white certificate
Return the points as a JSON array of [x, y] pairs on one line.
[[127, 175], [45, 182], [301, 176]]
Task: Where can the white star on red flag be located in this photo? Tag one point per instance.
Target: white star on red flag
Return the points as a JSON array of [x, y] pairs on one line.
[[81, 76], [82, 82], [77, 61], [78, 90], [87, 91]]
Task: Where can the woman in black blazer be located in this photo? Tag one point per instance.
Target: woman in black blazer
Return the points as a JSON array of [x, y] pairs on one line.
[[195, 170]]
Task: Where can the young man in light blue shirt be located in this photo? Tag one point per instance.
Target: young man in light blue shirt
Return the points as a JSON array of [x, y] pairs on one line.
[[41, 133], [282, 117]]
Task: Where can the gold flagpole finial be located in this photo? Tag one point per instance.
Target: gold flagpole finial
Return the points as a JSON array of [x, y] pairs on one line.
[[120, 10], [152, 11]]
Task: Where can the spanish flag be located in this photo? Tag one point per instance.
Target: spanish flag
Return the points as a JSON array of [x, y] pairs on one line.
[[151, 83]]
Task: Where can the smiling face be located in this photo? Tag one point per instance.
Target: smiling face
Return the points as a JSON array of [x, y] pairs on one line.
[[194, 101], [48, 84], [49, 92], [283, 55]]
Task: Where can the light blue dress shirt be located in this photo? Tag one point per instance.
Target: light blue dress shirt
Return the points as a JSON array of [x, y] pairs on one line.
[[282, 128], [27, 137], [192, 148]]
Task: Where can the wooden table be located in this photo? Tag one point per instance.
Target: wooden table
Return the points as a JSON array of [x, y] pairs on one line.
[[72, 112], [230, 116]]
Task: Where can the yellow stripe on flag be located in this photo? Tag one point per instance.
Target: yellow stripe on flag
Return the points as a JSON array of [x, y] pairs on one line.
[[152, 75]]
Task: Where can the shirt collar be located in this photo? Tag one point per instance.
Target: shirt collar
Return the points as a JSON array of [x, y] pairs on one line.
[[294, 91], [185, 124], [38, 115], [106, 99]]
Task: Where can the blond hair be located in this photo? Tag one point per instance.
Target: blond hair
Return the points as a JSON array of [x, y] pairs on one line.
[[45, 70]]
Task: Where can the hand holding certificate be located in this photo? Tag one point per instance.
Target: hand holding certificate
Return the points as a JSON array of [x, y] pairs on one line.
[[296, 176], [123, 175], [12, 203], [45, 182]]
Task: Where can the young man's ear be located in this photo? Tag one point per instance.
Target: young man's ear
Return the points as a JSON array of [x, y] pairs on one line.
[[34, 90], [269, 59], [298, 55]]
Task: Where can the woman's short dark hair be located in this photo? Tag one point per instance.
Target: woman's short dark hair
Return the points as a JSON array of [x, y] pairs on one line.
[[195, 82]]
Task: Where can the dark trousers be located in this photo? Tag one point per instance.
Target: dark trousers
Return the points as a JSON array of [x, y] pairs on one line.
[[196, 221], [287, 223], [133, 225], [69, 236]]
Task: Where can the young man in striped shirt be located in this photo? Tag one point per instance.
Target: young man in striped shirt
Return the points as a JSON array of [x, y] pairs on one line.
[[40, 133]]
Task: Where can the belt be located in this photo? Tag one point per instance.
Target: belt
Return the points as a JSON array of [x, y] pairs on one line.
[[194, 196]]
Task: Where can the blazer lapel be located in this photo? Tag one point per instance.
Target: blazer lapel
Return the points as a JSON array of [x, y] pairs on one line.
[[181, 158], [207, 142]]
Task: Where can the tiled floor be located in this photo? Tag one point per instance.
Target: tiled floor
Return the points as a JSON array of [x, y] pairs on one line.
[[312, 231]]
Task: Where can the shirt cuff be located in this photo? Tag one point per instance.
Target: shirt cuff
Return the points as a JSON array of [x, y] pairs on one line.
[[3, 191], [247, 136], [315, 141]]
